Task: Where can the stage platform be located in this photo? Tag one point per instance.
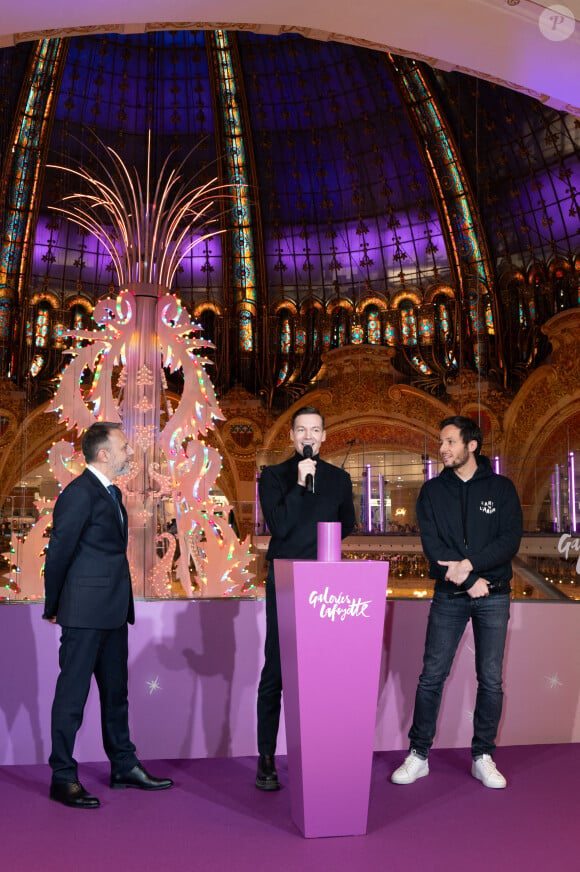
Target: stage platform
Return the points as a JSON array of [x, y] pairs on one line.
[[214, 819], [194, 668]]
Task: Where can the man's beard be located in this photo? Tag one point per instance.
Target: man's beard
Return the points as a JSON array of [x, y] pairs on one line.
[[458, 461]]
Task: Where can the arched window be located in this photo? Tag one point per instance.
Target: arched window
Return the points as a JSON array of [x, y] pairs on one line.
[[408, 322], [285, 331], [78, 318], [339, 330], [443, 323], [40, 337], [208, 319], [207, 316], [357, 332], [78, 321], [312, 321], [543, 296], [390, 330], [561, 286], [426, 328], [372, 319], [285, 337], [42, 326]]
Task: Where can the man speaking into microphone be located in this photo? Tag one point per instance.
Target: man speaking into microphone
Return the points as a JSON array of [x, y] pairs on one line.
[[295, 496]]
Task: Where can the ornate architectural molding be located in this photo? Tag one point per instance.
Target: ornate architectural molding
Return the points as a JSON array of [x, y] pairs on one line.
[[362, 401], [442, 58], [548, 401]]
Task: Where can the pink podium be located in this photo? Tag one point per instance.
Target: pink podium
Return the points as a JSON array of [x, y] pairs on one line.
[[330, 620]]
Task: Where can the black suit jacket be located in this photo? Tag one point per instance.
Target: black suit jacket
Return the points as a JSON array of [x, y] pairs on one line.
[[86, 573]]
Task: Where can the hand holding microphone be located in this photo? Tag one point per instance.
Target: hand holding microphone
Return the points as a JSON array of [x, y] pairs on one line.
[[309, 480]]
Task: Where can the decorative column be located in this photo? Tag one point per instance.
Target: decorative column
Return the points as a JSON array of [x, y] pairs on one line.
[[556, 503], [572, 513], [381, 503], [140, 410], [368, 493], [240, 224], [468, 251]]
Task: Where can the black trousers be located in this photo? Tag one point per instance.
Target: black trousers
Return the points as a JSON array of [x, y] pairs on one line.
[[270, 687], [84, 653]]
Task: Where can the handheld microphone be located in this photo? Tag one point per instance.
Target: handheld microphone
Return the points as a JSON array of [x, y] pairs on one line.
[[307, 452]]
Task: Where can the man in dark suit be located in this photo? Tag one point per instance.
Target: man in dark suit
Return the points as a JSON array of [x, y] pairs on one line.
[[88, 592]]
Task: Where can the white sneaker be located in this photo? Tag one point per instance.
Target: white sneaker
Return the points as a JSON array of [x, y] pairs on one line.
[[485, 770], [411, 769]]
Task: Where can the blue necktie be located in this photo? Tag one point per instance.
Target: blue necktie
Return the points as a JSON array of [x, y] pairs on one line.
[[113, 491]]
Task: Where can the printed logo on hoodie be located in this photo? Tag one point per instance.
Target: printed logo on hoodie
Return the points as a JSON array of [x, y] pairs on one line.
[[487, 506]]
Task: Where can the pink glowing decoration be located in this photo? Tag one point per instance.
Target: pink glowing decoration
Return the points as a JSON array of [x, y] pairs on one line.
[[119, 376]]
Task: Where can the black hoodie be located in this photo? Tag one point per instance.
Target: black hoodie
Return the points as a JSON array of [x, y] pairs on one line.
[[480, 519]]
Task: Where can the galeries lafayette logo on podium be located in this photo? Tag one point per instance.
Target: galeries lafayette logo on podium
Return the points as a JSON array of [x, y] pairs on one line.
[[339, 606]]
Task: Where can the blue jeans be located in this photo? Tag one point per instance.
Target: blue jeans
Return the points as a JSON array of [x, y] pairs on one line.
[[448, 618]]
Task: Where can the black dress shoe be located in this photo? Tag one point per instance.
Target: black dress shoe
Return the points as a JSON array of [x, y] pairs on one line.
[[267, 777], [139, 777], [73, 794]]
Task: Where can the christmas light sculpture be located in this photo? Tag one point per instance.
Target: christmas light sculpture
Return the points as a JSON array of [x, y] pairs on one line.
[[118, 374]]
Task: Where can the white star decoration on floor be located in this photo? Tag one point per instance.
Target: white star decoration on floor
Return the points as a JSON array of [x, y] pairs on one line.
[[553, 681], [154, 685]]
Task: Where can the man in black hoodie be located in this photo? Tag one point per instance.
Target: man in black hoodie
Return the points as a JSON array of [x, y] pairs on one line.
[[470, 521], [295, 496]]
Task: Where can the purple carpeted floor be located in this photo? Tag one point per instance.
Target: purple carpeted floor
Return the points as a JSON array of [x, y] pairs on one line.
[[215, 819]]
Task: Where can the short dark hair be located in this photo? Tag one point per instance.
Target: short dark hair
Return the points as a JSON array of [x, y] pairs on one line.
[[307, 410], [469, 429], [96, 437]]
